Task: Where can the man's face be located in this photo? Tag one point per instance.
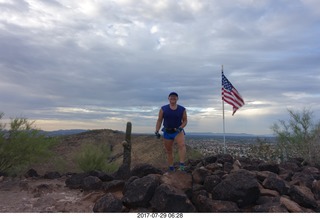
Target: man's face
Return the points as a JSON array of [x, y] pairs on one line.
[[173, 98]]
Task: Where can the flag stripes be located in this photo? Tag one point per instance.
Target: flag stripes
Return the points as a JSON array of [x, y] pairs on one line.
[[230, 94]]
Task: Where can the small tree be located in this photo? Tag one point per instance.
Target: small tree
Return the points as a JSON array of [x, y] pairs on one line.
[[298, 136], [21, 146]]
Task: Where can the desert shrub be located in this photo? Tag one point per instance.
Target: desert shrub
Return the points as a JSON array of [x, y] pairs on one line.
[[298, 137], [94, 157], [21, 146]]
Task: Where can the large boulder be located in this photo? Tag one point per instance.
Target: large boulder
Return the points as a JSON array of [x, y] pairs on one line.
[[170, 199], [240, 186], [75, 181], [200, 174], [206, 204], [108, 203], [211, 181], [91, 183], [274, 182], [303, 196], [140, 191], [142, 170]]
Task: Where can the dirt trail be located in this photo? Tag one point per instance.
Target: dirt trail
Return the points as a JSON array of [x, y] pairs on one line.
[[43, 195]]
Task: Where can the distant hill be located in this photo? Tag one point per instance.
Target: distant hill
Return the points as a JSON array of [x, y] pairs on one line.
[[64, 132], [146, 148], [77, 131]]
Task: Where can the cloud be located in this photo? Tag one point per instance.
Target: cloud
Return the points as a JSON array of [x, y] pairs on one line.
[[106, 62]]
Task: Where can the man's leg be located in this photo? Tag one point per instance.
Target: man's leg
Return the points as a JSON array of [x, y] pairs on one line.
[[168, 144], [181, 147]]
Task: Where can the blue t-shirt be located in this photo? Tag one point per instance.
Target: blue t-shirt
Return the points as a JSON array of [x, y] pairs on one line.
[[172, 118]]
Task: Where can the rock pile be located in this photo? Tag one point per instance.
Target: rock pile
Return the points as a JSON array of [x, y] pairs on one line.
[[213, 184]]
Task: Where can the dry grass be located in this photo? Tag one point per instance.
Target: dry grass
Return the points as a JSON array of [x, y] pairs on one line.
[[145, 149]]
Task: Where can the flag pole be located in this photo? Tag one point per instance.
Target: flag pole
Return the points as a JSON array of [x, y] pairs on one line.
[[224, 128]]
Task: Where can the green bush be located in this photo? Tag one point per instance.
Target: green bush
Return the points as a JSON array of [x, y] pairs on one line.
[[298, 137], [94, 157], [21, 146]]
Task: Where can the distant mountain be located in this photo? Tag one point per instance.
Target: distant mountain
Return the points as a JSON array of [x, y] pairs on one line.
[[64, 132], [77, 131]]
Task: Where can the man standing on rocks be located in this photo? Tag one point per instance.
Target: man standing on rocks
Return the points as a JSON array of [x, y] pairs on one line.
[[174, 118]]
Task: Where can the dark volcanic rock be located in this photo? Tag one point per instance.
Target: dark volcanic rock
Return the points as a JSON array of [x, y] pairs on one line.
[[108, 203], [139, 192], [75, 181], [142, 170], [52, 175], [274, 182], [170, 199], [215, 184], [230, 189]]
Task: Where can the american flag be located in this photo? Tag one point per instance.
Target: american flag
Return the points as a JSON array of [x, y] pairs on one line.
[[230, 95]]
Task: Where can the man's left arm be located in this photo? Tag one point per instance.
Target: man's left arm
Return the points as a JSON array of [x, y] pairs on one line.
[[184, 119]]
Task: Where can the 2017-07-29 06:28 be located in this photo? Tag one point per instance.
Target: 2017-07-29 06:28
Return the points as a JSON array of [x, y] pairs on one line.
[[159, 215]]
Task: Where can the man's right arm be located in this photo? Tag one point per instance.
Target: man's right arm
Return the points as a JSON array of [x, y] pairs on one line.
[[159, 121]]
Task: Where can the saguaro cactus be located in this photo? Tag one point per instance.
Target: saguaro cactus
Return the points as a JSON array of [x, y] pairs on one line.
[[127, 147], [124, 170]]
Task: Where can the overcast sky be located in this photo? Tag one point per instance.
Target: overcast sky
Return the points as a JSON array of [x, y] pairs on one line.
[[95, 64]]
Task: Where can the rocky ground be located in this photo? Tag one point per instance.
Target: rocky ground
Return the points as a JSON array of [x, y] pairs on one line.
[[21, 194]]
